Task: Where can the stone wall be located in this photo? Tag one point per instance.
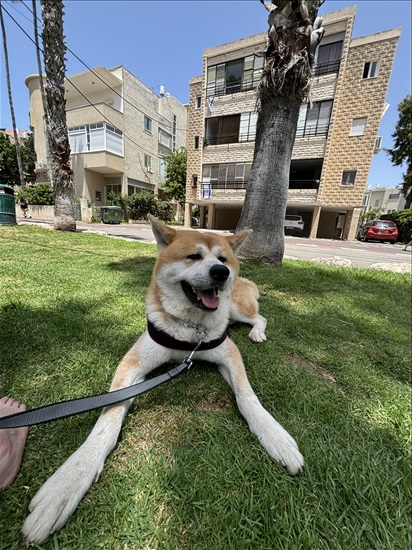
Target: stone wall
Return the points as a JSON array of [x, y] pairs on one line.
[[356, 98]]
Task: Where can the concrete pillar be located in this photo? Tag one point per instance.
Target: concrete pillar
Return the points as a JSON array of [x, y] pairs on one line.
[[86, 211], [353, 224], [211, 216], [188, 214], [315, 222]]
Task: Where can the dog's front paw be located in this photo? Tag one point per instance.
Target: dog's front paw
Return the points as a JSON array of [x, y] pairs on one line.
[[280, 445], [257, 335], [57, 499]]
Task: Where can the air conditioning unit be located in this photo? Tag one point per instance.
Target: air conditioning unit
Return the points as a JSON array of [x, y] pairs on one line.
[[378, 144]]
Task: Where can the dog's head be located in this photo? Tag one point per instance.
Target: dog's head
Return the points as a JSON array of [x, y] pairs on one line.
[[195, 269]]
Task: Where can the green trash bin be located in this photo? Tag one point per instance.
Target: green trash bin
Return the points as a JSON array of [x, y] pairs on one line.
[[112, 214], [7, 205]]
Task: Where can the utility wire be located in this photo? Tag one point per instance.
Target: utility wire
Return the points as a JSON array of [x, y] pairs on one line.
[[80, 92], [102, 79]]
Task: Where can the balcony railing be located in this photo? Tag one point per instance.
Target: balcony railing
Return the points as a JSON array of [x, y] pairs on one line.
[[326, 68], [214, 89], [230, 138], [315, 129], [227, 88], [294, 185]]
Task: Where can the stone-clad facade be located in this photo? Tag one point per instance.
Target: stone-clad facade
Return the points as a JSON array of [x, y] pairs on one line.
[[336, 135]]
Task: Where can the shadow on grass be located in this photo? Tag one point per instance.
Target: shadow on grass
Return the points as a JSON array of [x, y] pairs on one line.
[[188, 473]]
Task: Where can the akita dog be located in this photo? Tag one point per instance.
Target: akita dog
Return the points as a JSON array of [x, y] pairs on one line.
[[194, 294]]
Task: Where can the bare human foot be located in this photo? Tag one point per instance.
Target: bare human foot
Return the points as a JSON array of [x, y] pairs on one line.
[[12, 442]]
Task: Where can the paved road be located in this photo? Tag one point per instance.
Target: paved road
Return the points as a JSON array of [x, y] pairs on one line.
[[360, 254]]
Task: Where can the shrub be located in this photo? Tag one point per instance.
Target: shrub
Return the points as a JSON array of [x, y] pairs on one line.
[[164, 211], [139, 205], [42, 193], [403, 220]]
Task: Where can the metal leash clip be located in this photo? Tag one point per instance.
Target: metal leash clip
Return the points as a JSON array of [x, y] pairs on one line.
[[188, 359]]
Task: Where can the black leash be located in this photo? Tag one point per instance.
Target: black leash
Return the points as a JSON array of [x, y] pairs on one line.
[[56, 411]]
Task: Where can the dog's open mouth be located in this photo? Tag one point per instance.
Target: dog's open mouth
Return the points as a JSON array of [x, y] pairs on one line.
[[206, 299]]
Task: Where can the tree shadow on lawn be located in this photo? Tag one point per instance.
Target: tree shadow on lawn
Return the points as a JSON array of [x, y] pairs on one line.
[[72, 352], [193, 445], [370, 305]]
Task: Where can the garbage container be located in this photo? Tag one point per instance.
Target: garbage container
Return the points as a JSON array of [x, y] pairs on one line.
[[7, 205], [112, 214]]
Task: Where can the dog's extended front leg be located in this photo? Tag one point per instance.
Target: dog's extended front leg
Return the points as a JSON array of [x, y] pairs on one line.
[[273, 437], [57, 499]]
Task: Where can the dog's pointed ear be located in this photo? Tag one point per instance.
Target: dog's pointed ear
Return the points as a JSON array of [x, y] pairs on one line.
[[164, 235], [237, 239]]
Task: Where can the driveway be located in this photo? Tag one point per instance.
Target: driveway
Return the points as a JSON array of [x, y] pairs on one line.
[[360, 254]]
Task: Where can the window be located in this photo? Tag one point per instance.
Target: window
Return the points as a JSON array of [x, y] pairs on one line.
[[348, 177], [315, 120], [198, 102], [174, 132], [148, 162], [165, 139], [377, 203], [226, 176], [113, 185], [231, 129], [196, 142], [194, 181], [161, 169], [393, 196], [247, 128], [234, 76], [147, 124], [95, 137], [370, 69], [328, 58], [136, 186], [98, 196], [358, 126]]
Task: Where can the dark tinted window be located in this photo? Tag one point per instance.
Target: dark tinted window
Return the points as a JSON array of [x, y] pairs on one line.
[[383, 223]]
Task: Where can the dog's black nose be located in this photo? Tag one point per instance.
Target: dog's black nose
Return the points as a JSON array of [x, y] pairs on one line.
[[219, 272]]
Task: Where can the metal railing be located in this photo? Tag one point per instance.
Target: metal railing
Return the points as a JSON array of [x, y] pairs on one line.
[[232, 184], [214, 89], [326, 68], [229, 138], [317, 129], [231, 87]]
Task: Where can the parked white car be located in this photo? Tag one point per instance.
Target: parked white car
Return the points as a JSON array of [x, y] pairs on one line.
[[294, 224]]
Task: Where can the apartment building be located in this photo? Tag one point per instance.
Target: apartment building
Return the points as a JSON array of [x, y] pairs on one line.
[[336, 138], [119, 132], [383, 200]]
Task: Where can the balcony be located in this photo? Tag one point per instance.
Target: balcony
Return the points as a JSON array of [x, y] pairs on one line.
[[313, 129], [215, 89], [229, 138], [304, 191], [326, 68]]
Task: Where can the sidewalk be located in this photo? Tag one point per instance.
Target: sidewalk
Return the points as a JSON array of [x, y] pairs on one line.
[[327, 251]]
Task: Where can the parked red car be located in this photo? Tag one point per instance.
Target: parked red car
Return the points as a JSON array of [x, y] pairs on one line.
[[379, 230]]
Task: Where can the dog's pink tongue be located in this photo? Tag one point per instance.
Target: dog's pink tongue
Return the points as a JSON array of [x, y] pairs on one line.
[[209, 298]]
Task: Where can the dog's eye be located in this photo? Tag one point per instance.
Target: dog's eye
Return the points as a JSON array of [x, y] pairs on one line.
[[222, 259], [194, 257]]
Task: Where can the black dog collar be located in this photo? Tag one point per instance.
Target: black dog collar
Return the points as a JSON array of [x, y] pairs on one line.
[[168, 341]]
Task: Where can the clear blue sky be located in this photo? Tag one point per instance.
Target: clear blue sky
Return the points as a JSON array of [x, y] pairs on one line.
[[161, 42]]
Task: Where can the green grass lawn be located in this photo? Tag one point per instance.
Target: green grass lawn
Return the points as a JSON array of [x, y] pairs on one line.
[[187, 473]]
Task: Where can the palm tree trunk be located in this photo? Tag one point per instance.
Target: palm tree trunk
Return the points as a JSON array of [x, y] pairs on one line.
[[54, 51], [293, 36], [13, 118], [41, 83]]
